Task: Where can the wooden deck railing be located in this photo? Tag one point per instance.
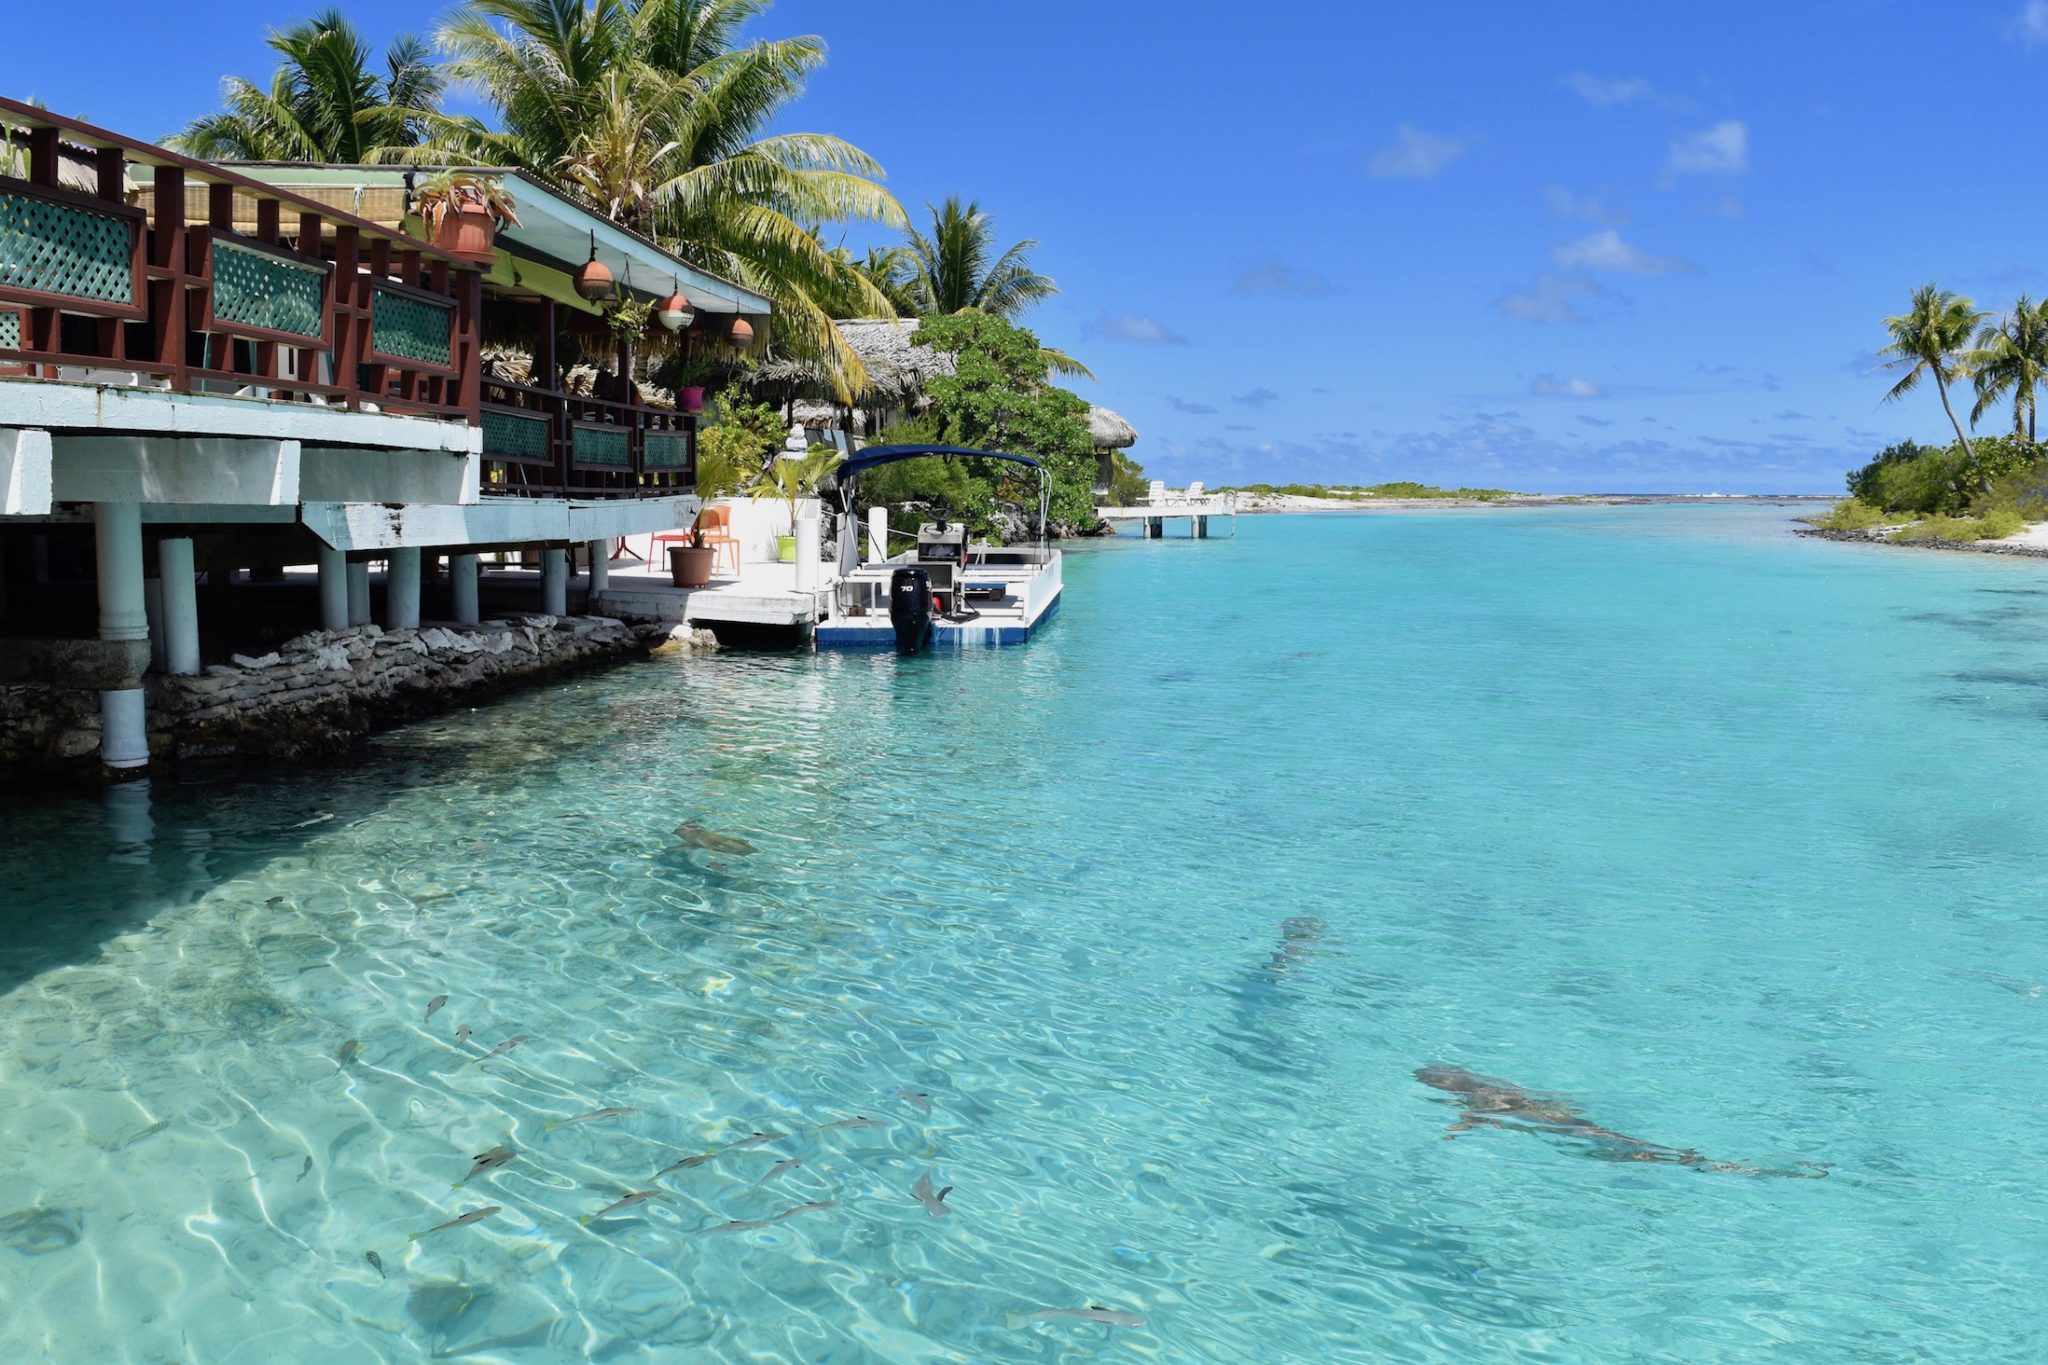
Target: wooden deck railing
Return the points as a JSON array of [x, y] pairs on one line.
[[543, 441], [315, 305]]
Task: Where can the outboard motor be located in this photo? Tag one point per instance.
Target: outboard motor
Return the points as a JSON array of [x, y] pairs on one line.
[[910, 609]]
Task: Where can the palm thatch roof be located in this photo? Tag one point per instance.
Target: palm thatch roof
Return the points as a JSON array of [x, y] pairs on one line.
[[1110, 432], [897, 370]]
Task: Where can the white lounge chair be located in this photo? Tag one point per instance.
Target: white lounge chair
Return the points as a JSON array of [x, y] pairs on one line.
[[1195, 491], [1156, 494]]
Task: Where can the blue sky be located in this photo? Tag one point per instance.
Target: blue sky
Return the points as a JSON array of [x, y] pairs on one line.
[[1559, 248]]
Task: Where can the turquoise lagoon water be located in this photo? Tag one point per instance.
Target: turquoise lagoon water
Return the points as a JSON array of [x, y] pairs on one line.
[[1734, 842]]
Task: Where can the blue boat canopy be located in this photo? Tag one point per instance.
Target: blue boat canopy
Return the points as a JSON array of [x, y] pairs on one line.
[[873, 456]]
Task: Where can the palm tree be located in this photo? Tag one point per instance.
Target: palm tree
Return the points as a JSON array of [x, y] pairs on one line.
[[952, 270], [651, 111], [325, 102], [2011, 356], [1932, 337]]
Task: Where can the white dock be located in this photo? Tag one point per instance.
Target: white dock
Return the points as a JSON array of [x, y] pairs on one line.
[[763, 594], [1154, 513]]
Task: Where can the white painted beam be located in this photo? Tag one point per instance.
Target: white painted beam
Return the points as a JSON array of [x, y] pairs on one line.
[[24, 472], [343, 474], [102, 407], [166, 469]]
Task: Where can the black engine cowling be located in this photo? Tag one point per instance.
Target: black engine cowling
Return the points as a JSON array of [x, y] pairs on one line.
[[910, 609]]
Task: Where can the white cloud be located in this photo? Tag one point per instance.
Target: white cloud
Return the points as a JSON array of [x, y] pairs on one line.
[[1589, 208], [1183, 405], [1606, 252], [1275, 277], [1551, 301], [1603, 91], [1720, 150], [1135, 327], [2030, 25], [1415, 155], [1550, 386]]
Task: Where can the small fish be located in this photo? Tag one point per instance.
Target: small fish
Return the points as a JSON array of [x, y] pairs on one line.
[[485, 1161], [462, 1034], [756, 1140], [750, 1224], [473, 1216], [376, 1262], [685, 1164], [306, 1169], [779, 1168], [916, 1099], [150, 1131], [274, 900], [934, 1204], [858, 1121], [635, 1198], [319, 819], [433, 1005], [593, 1114], [514, 1041], [696, 836], [1109, 1317], [347, 1052]]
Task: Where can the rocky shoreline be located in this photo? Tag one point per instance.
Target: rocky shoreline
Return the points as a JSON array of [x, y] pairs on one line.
[[1975, 547], [317, 694]]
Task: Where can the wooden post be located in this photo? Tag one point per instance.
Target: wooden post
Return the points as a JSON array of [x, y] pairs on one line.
[[167, 296]]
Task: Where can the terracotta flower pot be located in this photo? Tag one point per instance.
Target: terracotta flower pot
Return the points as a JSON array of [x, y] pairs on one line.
[[692, 398], [689, 566], [469, 231]]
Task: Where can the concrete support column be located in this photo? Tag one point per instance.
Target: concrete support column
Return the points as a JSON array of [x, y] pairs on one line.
[[333, 589], [153, 607], [117, 547], [462, 588], [1201, 528], [359, 592], [878, 534], [600, 569], [806, 553], [554, 581], [181, 606], [402, 589]]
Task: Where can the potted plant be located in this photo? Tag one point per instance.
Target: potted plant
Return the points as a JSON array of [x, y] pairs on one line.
[[689, 566], [798, 477], [463, 211], [687, 376]]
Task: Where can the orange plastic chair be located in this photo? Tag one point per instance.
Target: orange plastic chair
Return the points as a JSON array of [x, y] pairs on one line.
[[715, 525]]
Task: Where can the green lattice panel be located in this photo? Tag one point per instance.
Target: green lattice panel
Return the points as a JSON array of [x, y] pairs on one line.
[[603, 445], [257, 289], [509, 436], [10, 331], [667, 450], [411, 328], [59, 249]]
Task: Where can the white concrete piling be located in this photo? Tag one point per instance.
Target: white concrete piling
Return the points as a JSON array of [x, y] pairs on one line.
[[334, 579], [402, 589], [181, 606], [600, 569], [462, 589], [359, 592], [554, 581], [117, 549]]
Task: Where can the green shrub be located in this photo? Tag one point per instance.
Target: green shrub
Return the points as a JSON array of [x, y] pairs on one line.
[[1854, 514], [1995, 525]]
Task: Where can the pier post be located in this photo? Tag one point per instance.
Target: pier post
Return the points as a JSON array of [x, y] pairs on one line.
[[359, 592], [1201, 528], [402, 589], [333, 589], [153, 608], [878, 534], [117, 550], [554, 581], [1155, 528], [462, 589], [806, 529], [181, 606], [600, 570]]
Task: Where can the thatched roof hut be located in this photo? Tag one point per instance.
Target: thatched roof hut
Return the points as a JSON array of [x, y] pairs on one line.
[[1110, 431], [897, 370]]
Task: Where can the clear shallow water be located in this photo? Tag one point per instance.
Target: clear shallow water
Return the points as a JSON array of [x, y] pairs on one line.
[[1733, 840]]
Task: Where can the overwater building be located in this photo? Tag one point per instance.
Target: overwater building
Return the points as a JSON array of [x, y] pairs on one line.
[[209, 372]]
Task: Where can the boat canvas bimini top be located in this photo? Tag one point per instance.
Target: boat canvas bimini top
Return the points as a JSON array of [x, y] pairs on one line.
[[944, 590]]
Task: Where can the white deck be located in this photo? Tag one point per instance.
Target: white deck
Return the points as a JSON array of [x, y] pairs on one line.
[[1152, 516], [764, 594]]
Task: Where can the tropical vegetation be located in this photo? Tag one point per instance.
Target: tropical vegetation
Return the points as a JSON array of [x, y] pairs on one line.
[[328, 101], [667, 118]]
